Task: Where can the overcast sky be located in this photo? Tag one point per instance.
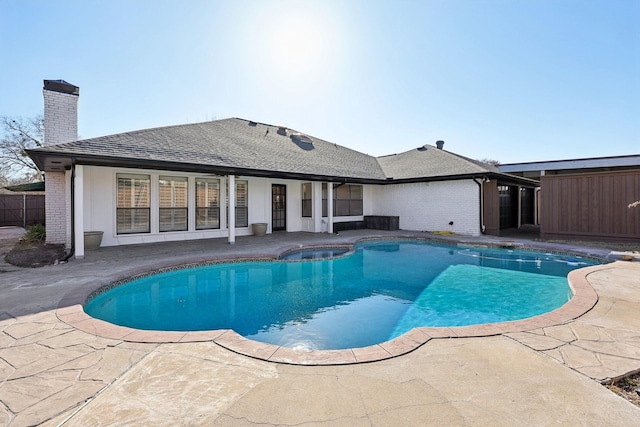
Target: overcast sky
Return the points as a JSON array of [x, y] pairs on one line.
[[515, 81]]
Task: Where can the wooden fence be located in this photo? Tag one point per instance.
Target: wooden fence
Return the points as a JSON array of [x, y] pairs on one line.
[[21, 210], [590, 205]]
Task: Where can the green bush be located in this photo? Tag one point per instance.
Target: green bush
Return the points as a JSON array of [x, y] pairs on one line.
[[35, 233]]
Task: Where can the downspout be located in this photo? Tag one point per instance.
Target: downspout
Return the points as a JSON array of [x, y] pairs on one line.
[[73, 219], [481, 204]]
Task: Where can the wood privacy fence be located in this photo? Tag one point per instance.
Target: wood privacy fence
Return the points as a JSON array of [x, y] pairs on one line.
[[21, 210], [590, 205]]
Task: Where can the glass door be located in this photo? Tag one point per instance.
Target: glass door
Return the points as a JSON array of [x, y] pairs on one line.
[[278, 207]]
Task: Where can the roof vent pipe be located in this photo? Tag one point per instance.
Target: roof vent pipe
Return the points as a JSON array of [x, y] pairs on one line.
[[439, 144]]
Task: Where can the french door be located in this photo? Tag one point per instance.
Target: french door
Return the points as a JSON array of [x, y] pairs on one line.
[[278, 207]]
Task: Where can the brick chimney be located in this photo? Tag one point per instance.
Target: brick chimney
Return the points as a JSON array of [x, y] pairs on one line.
[[60, 112], [439, 144]]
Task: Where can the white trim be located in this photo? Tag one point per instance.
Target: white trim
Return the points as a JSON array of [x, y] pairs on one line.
[[602, 162], [330, 207], [232, 209], [78, 211]]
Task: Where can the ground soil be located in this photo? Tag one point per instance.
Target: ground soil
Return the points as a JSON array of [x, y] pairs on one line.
[[34, 254], [628, 387]]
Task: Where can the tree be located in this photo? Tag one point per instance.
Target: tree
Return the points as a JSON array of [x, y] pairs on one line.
[[18, 135], [491, 162]]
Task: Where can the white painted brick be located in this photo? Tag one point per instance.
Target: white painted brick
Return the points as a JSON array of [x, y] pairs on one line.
[[55, 207], [431, 206], [60, 117]]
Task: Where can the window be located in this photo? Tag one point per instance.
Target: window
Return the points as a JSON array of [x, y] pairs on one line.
[[133, 204], [207, 203], [173, 203], [242, 204], [325, 204], [307, 205], [347, 200]]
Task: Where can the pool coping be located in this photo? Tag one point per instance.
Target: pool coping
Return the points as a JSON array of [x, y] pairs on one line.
[[70, 311]]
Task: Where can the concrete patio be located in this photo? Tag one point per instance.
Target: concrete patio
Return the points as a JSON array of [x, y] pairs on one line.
[[56, 374]]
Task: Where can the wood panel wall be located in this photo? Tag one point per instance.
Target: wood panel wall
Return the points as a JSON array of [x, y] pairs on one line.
[[491, 207], [593, 205]]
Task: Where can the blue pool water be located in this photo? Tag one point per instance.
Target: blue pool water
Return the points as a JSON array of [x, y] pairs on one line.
[[379, 292], [309, 254]]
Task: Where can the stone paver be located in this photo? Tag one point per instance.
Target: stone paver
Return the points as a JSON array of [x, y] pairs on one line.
[[53, 373], [604, 343]]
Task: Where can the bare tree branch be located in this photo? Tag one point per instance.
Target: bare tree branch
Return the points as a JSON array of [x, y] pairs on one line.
[[18, 135]]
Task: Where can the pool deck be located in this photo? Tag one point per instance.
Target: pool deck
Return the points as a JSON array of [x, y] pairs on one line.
[[58, 367]]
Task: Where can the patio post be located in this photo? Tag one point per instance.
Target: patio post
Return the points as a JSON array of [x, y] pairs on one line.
[[232, 209], [330, 207], [78, 210]]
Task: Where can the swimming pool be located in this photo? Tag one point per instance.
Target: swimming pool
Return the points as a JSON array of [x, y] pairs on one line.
[[380, 291], [313, 253]]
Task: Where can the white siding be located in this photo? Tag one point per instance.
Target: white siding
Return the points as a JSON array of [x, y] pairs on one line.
[[429, 206], [100, 206]]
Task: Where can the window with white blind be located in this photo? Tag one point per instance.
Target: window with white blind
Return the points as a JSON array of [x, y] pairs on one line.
[[347, 200], [242, 204], [307, 205], [173, 203], [133, 204], [325, 204], [207, 203]]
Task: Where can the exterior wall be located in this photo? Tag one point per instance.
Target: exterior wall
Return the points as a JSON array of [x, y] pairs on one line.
[[429, 206], [491, 207], [591, 205], [67, 215], [420, 206], [56, 208], [60, 117], [99, 213], [60, 126]]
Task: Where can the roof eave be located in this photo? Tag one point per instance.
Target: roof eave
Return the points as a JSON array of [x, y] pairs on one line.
[[64, 160], [502, 177], [39, 157]]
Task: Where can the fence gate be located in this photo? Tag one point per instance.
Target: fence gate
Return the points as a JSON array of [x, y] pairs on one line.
[[21, 210]]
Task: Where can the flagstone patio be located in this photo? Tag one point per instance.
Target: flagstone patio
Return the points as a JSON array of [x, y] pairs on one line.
[[53, 373]]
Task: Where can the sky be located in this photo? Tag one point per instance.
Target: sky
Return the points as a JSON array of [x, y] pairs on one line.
[[508, 80]]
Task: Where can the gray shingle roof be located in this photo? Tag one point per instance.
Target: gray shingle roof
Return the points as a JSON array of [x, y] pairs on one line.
[[241, 146], [429, 161], [229, 143]]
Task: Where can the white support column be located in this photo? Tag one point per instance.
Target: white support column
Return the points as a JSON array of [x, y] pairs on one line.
[[330, 207], [232, 209], [68, 238], [78, 211], [519, 206], [191, 204], [316, 194]]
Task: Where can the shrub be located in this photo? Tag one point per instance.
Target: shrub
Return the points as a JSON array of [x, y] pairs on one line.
[[35, 233]]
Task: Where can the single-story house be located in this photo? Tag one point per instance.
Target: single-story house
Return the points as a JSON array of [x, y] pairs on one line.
[[585, 198], [215, 179]]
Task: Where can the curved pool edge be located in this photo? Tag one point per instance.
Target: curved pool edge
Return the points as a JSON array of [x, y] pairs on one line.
[[70, 311]]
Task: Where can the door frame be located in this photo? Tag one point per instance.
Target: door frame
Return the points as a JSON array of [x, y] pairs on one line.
[[283, 208]]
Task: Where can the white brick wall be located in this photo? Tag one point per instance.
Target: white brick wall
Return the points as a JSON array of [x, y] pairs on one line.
[[60, 117], [56, 207], [60, 126], [430, 206]]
